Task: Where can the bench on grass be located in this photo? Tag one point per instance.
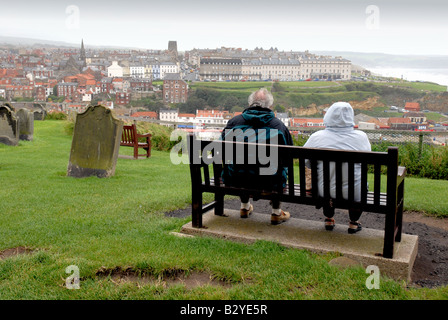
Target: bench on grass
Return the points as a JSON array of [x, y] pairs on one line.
[[130, 138], [208, 159]]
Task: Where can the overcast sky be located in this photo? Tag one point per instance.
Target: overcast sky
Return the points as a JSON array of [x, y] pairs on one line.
[[396, 27]]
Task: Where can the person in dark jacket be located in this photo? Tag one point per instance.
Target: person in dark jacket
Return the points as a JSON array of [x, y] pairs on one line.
[[257, 123]]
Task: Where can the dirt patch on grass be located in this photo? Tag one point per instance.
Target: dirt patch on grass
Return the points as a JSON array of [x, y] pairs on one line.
[[190, 280], [12, 252]]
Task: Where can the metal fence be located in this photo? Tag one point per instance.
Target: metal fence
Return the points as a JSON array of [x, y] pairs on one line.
[[392, 137]]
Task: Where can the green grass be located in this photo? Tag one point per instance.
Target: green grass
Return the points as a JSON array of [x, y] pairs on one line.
[[119, 222], [245, 86], [423, 86]]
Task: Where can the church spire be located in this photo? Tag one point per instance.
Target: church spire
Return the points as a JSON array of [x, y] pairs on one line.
[[82, 56]]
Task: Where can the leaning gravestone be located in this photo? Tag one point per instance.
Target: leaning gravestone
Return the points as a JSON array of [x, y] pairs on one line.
[[8, 127], [10, 106], [95, 144], [39, 112], [26, 124]]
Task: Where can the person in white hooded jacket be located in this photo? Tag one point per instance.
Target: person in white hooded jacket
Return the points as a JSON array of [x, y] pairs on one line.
[[339, 133]]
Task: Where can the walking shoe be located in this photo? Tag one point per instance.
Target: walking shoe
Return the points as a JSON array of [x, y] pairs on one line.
[[277, 219], [354, 227], [329, 224], [245, 213]]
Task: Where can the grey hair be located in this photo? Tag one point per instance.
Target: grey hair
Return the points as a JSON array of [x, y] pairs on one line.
[[262, 97]]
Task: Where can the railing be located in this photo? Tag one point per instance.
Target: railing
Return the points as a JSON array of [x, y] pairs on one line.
[[391, 136]]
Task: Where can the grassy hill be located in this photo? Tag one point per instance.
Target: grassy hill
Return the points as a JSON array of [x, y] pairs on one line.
[[297, 97]]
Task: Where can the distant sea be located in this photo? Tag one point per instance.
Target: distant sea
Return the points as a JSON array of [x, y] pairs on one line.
[[439, 76]]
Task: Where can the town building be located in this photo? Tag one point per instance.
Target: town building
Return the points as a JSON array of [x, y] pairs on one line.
[[136, 70], [66, 89], [400, 123], [186, 117], [324, 68], [412, 107], [283, 117], [20, 91], [168, 67], [137, 84], [175, 90], [169, 115], [115, 70], [218, 69], [40, 94], [416, 117], [122, 98]]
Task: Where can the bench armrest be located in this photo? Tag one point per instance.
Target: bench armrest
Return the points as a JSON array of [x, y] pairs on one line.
[[401, 175], [144, 135]]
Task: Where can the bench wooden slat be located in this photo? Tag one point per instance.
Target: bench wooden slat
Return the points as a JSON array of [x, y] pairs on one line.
[[351, 181], [302, 173], [377, 183], [364, 183], [338, 169], [291, 176], [326, 169], [314, 179]]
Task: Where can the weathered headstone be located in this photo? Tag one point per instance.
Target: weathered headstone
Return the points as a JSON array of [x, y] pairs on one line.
[[39, 112], [8, 127], [95, 144], [26, 124], [10, 106]]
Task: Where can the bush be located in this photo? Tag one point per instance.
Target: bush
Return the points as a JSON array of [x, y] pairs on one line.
[[429, 162], [56, 116], [160, 138]]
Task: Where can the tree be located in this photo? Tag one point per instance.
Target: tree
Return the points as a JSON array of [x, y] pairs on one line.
[[236, 109], [192, 104], [279, 108], [276, 87], [229, 102]]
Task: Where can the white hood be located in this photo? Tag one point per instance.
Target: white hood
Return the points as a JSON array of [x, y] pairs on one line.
[[340, 115]]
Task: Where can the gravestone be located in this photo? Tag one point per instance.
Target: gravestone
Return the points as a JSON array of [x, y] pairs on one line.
[[39, 112], [10, 106], [26, 124], [8, 127], [95, 144]]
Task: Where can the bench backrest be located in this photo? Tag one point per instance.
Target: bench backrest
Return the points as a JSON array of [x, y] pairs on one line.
[[206, 154], [129, 135]]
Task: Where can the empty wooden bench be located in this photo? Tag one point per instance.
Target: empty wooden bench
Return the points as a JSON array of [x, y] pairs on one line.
[[208, 159], [130, 138]]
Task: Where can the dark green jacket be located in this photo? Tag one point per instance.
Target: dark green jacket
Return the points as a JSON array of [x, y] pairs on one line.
[[263, 127]]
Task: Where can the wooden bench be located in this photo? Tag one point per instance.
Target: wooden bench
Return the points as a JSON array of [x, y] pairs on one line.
[[206, 166], [130, 138]]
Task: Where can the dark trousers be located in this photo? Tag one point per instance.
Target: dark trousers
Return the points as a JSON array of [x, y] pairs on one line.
[[275, 203], [354, 214]]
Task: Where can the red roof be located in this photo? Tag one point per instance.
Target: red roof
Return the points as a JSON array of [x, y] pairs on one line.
[[305, 122], [412, 106], [147, 114], [399, 120], [211, 113]]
